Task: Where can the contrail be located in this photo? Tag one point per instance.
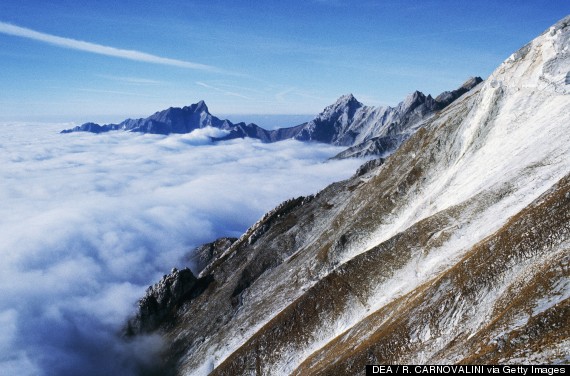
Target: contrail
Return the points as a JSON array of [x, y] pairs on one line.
[[80, 45]]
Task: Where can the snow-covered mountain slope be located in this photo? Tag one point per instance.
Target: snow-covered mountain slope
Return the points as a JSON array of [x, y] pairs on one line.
[[455, 249]]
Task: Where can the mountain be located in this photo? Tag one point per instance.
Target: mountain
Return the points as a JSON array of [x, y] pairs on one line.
[[454, 249], [330, 126], [366, 130], [347, 122], [380, 131], [171, 120]]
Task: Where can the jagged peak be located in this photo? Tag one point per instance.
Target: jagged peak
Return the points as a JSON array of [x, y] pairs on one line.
[[416, 94], [198, 107], [347, 99], [412, 99], [202, 106], [346, 103]]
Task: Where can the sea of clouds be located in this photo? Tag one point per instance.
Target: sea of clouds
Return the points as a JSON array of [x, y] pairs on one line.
[[88, 222]]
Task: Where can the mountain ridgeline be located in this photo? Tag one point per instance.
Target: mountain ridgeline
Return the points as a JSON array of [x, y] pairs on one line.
[[347, 122], [454, 249]]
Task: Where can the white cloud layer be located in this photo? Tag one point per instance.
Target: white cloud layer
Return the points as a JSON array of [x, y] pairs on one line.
[[74, 44], [87, 222]]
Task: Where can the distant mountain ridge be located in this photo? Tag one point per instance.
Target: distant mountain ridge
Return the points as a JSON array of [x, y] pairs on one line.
[[381, 130], [171, 120], [347, 122]]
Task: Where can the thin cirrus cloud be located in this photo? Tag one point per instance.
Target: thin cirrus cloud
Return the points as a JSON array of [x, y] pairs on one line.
[[74, 44], [223, 91], [87, 222], [132, 93], [131, 80]]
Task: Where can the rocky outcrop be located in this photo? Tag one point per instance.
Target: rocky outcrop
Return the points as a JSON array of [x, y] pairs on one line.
[[159, 305], [447, 97], [201, 256], [369, 166]]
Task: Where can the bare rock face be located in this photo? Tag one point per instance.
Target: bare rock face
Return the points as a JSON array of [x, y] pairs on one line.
[[161, 301], [201, 257], [369, 166], [454, 249], [447, 97]]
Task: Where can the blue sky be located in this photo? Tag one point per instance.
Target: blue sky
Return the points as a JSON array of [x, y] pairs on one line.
[[243, 57]]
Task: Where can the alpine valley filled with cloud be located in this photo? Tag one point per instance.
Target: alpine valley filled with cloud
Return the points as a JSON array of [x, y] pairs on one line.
[[430, 228], [88, 222]]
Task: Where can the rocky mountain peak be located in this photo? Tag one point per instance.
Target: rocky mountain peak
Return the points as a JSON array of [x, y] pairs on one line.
[[412, 100], [345, 104], [331, 125], [347, 99], [198, 107]]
